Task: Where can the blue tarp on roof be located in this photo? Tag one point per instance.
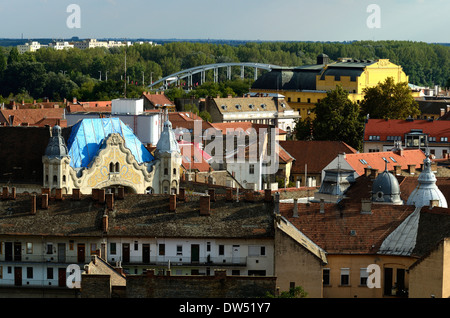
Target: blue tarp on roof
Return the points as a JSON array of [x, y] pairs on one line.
[[87, 136]]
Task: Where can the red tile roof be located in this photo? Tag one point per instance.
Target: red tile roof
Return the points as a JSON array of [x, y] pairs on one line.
[[343, 228], [244, 125], [397, 127], [375, 160], [187, 120], [157, 98], [316, 154], [32, 117], [193, 157], [94, 106]]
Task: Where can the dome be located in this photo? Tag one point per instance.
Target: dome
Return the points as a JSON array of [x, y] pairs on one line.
[[167, 142], [427, 190], [386, 189], [56, 146]]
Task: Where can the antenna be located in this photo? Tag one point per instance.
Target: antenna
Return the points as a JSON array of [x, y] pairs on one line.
[[125, 93]]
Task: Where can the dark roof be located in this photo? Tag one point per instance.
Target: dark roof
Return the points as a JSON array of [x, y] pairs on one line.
[[138, 215], [21, 153]]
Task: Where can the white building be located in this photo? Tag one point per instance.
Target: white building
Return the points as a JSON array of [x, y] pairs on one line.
[[31, 46]]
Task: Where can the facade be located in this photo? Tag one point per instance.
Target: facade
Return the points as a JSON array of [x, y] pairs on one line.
[[255, 109], [304, 86], [427, 135], [31, 46], [104, 153]]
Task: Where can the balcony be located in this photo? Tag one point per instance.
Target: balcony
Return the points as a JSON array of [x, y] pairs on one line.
[[182, 261]]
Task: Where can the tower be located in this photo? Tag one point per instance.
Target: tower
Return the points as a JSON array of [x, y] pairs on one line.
[[427, 190], [386, 189], [169, 155], [56, 162]]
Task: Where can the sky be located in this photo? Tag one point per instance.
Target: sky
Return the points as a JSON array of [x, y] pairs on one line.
[[283, 20]]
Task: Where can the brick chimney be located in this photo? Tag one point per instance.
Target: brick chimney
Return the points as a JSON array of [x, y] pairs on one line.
[[101, 195], [173, 202], [229, 194], [5, 193], [250, 196], [212, 195], [182, 194], [13, 193], [204, 205], [398, 169], [44, 201], [109, 200], [105, 223], [33, 204], [295, 209], [374, 173], [120, 193], [58, 194], [76, 194], [411, 169], [367, 171], [268, 195]]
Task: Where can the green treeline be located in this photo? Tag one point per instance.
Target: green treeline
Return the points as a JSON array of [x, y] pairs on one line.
[[82, 73]]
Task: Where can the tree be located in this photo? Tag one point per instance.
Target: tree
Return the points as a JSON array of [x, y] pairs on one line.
[[389, 100], [338, 118]]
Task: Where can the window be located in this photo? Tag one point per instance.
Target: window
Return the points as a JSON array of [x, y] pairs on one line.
[[93, 248], [363, 161], [49, 248], [136, 245], [162, 249], [29, 272], [309, 100], [251, 169], [238, 106], [326, 276], [179, 249], [208, 246], [393, 160], [345, 276], [431, 138], [55, 179], [444, 138], [117, 167], [29, 248], [385, 160], [49, 272], [174, 171], [112, 248], [363, 276], [166, 171], [221, 250]]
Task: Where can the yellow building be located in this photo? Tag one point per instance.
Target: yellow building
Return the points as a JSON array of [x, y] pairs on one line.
[[305, 86]]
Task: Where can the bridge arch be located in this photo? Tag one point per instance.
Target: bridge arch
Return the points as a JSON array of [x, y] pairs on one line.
[[164, 82]]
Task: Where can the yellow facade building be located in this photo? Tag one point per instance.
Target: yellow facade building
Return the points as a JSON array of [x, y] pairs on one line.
[[304, 86]]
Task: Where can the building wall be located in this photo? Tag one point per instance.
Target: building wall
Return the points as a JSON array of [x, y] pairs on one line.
[[354, 263], [294, 265], [218, 286], [429, 278]]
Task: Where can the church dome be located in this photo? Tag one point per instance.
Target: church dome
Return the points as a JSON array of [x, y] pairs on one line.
[[167, 141], [386, 189], [427, 190]]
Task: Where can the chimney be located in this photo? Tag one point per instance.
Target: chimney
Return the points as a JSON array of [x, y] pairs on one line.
[[182, 194], [120, 193], [374, 173], [204, 205], [277, 203], [74, 100], [268, 195], [173, 202], [442, 111], [5, 193], [367, 171], [44, 201], [101, 195], [76, 194], [229, 194], [105, 223], [212, 194], [322, 206], [412, 169], [13, 193], [398, 169], [58, 194], [33, 204], [45, 190], [295, 209], [109, 200]]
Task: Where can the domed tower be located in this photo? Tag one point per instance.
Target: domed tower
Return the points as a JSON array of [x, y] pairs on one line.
[[386, 189], [168, 152], [427, 190], [56, 162]]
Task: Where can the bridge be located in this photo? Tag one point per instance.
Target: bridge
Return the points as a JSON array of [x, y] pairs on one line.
[[164, 82]]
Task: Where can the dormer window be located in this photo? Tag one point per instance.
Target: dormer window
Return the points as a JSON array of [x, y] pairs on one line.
[[263, 106], [238, 106], [224, 107], [251, 106]]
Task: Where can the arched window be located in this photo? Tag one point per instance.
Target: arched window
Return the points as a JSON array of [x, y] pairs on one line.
[[117, 167], [174, 171], [55, 178], [111, 167], [166, 171]]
